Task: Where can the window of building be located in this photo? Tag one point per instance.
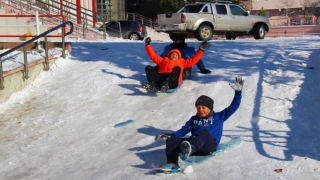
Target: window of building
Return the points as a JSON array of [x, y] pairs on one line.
[[105, 10]]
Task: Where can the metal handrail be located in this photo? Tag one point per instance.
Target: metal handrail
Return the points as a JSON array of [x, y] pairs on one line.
[[64, 8], [32, 40], [144, 20]]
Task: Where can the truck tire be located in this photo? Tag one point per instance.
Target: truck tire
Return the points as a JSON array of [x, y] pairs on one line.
[[204, 33], [259, 32]]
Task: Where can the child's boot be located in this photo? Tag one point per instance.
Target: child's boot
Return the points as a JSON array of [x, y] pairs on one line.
[[150, 86], [186, 149], [164, 86], [146, 85], [154, 86]]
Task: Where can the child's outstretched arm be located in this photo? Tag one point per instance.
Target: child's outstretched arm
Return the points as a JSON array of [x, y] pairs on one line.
[[237, 86], [151, 53], [196, 57], [184, 130]]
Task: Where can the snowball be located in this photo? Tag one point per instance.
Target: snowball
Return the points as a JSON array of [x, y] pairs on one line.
[[188, 170]]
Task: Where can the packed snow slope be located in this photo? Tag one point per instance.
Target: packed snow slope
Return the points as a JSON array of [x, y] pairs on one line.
[[62, 125]]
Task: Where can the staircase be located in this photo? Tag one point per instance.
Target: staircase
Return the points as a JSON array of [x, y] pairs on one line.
[[82, 30], [29, 7]]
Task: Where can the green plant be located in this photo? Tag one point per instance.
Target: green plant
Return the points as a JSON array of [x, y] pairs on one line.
[[263, 12]]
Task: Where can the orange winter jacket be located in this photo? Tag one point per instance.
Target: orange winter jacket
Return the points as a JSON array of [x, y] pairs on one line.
[[166, 65]]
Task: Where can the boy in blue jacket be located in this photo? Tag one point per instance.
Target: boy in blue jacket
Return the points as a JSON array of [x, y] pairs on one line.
[[205, 127], [186, 51]]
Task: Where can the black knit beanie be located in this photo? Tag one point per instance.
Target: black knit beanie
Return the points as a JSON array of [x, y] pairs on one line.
[[205, 101]]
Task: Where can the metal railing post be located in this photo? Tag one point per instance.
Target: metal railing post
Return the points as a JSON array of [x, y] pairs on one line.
[[46, 67], [26, 71], [63, 45], [84, 29], [1, 75], [32, 40], [104, 30], [20, 7], [29, 5]]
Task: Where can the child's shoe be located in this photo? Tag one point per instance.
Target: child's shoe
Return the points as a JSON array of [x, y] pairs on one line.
[[164, 87], [149, 86], [186, 150], [168, 168], [205, 71]]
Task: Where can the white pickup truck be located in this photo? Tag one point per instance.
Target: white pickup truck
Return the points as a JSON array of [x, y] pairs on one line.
[[202, 20]]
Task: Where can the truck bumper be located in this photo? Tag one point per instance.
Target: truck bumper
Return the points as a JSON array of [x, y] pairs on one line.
[[170, 28]]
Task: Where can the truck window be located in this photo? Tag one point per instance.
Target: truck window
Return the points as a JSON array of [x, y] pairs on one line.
[[221, 9], [205, 9], [236, 10], [193, 8]]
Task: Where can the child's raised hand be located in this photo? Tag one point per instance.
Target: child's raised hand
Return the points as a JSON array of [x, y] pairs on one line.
[[147, 40], [163, 136], [237, 86], [204, 45]]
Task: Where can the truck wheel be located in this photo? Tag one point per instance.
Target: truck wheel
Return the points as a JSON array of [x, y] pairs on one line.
[[259, 32], [204, 33], [231, 37]]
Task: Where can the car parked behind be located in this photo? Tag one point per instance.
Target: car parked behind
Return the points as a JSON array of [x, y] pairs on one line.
[[202, 20], [133, 30]]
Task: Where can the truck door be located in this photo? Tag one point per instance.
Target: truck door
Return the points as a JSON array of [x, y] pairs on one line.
[[240, 20], [222, 18]]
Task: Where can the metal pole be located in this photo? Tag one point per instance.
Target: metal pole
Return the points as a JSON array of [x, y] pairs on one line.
[[46, 68], [41, 12], [61, 7], [104, 30], [83, 30], [25, 63], [38, 30], [63, 45], [30, 5], [20, 7], [1, 76]]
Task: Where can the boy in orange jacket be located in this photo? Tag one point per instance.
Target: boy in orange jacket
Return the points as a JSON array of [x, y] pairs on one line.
[[169, 75]]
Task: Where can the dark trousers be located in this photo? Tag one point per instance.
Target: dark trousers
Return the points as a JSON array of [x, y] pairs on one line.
[[185, 75], [154, 77], [203, 144]]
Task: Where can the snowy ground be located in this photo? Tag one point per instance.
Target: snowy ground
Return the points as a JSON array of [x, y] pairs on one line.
[[62, 125]]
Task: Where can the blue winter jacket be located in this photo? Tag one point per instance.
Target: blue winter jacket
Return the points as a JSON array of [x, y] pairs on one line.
[[187, 52], [213, 124]]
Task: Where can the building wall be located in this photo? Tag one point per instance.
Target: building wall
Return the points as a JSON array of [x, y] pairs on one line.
[[117, 13], [274, 7], [273, 4]]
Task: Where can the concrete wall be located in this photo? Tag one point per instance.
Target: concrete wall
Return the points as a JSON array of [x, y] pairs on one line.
[[277, 7], [20, 26], [273, 4], [14, 80]]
